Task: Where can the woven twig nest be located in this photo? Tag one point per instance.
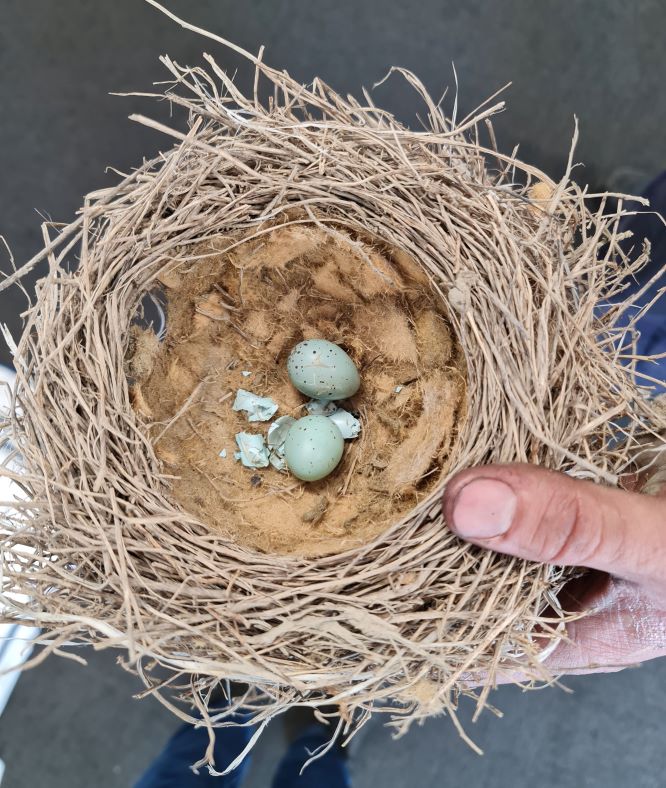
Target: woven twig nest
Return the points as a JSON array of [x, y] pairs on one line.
[[491, 276]]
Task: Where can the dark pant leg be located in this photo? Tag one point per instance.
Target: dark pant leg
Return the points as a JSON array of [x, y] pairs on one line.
[[330, 771], [171, 769], [646, 224]]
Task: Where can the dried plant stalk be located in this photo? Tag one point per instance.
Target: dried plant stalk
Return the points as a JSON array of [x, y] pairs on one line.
[[400, 624]]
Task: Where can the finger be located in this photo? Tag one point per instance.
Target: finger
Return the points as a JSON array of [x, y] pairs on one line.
[[541, 515], [625, 627]]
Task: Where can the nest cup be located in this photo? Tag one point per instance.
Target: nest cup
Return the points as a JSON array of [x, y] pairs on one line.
[[234, 313], [310, 215]]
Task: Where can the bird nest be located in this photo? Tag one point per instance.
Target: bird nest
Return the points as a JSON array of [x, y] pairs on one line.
[[465, 284]]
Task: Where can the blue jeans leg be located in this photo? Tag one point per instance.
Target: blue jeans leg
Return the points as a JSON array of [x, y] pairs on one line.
[[330, 771], [171, 769], [646, 224]]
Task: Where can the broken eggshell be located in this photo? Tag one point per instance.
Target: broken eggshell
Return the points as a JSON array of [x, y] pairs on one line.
[[252, 451], [277, 434], [320, 407], [313, 448], [257, 408], [349, 425], [322, 370]]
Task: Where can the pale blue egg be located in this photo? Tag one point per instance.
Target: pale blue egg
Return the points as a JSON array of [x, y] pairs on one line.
[[313, 448], [322, 370]]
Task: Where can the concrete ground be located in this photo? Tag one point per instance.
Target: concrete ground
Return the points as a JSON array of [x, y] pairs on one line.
[[67, 726], [603, 60]]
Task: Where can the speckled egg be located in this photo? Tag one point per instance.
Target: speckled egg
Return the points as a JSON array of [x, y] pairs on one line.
[[322, 370], [313, 448]]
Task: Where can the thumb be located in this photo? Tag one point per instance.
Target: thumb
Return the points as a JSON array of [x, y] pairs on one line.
[[541, 515]]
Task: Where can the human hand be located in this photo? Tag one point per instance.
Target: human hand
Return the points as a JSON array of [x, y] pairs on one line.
[[545, 516]]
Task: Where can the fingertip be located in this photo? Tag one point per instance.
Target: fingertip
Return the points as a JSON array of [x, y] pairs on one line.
[[456, 484], [482, 508]]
